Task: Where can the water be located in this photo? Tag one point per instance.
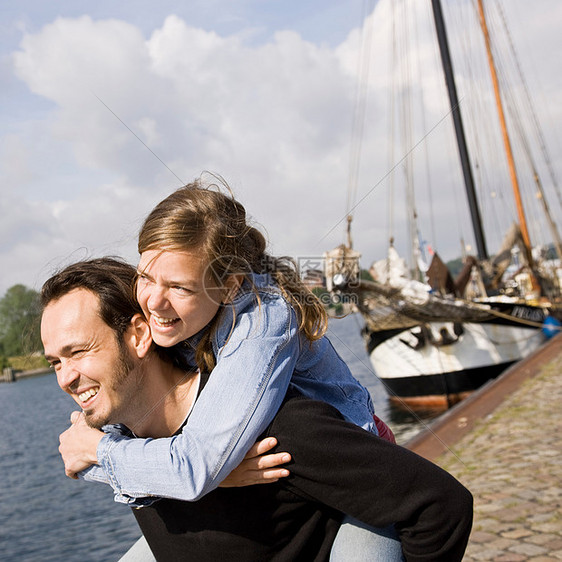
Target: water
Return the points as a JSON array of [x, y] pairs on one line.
[[45, 516]]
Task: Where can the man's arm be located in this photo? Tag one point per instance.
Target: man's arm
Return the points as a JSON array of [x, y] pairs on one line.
[[352, 470]]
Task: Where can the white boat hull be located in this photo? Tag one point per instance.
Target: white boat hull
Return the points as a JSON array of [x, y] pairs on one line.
[[424, 370]]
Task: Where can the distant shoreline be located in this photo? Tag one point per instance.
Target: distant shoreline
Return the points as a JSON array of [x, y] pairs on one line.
[[19, 374]]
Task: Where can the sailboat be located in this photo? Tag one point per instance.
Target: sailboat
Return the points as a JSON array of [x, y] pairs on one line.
[[433, 339]]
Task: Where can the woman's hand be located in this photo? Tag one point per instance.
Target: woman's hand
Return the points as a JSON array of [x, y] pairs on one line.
[[78, 445], [258, 468]]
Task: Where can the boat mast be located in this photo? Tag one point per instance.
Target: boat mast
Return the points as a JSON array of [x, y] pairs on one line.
[[349, 238], [459, 130], [505, 135]]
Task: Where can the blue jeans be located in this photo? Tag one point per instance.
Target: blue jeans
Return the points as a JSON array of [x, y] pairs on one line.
[[139, 552], [357, 542]]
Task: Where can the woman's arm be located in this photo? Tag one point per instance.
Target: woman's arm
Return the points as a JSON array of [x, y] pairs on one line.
[[78, 445], [79, 441], [243, 394], [258, 467]]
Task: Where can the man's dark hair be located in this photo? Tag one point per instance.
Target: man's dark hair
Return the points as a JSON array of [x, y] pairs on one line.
[[111, 279]]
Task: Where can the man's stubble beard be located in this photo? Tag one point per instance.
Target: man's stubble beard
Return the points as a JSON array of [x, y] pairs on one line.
[[123, 371]]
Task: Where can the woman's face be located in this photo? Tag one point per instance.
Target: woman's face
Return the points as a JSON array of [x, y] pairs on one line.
[[177, 294]]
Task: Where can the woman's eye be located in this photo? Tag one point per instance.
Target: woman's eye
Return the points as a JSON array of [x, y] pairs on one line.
[[183, 290]]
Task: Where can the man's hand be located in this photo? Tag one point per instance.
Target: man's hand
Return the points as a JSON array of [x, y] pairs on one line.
[[78, 445], [258, 468]]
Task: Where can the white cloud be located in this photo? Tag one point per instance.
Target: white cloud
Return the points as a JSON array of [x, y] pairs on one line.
[[273, 118]]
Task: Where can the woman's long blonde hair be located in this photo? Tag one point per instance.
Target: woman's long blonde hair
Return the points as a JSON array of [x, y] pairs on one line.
[[205, 218]]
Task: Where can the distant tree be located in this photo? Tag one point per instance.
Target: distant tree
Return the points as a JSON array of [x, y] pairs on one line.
[[455, 266], [366, 275], [3, 358], [20, 319]]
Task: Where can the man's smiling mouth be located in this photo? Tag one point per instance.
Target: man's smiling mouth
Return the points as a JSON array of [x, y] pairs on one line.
[[85, 396]]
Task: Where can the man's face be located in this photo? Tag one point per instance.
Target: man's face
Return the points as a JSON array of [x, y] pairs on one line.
[[89, 363]]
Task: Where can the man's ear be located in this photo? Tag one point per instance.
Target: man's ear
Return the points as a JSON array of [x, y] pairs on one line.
[[139, 334]]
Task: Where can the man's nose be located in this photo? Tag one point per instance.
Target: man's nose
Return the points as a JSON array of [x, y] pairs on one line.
[[67, 375]]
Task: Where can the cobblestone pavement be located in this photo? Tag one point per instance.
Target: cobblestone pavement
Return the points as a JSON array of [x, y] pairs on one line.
[[512, 464]]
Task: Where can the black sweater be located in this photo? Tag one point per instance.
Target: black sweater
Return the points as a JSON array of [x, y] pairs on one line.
[[337, 468]]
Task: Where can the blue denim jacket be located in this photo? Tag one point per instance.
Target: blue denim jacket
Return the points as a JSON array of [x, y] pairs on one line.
[[256, 362]]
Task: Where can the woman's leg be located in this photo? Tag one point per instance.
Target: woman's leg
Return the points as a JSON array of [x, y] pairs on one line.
[[139, 552], [356, 542]]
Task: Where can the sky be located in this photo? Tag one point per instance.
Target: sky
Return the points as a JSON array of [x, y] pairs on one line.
[[107, 107]]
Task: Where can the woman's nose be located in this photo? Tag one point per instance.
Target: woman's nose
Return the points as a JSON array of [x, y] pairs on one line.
[[157, 299]]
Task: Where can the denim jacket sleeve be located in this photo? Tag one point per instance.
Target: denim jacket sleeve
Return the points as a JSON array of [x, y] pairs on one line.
[[95, 473], [255, 362]]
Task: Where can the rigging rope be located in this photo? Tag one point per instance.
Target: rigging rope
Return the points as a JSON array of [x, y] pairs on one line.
[[424, 131], [519, 103], [531, 106], [363, 69], [406, 129], [392, 125]]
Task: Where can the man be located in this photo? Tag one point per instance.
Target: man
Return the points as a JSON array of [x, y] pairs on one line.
[[101, 349]]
